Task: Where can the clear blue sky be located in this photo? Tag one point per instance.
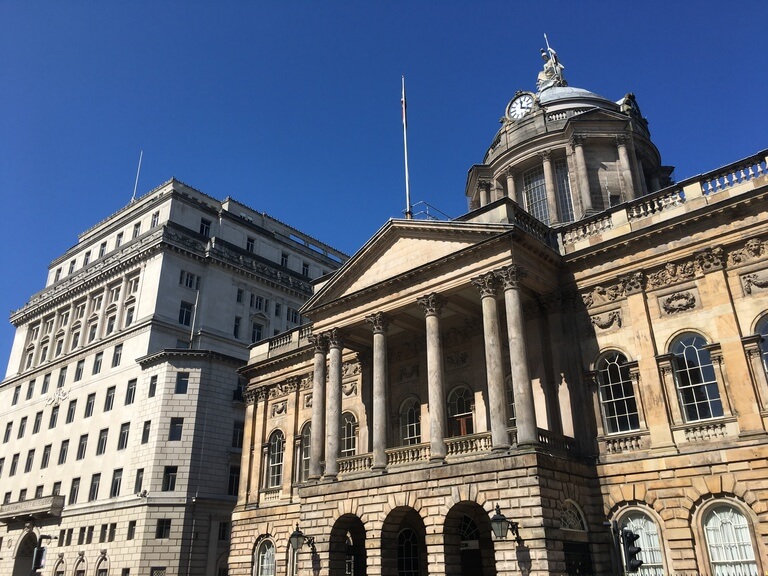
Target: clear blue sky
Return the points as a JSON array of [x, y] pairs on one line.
[[294, 107]]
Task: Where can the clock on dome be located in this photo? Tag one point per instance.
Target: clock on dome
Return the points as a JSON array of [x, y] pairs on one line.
[[521, 105]]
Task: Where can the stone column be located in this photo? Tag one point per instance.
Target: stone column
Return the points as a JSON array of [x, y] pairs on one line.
[[246, 459], [484, 186], [432, 304], [380, 323], [525, 413], [333, 409], [317, 433], [581, 168], [626, 169], [550, 186], [511, 190], [487, 284]]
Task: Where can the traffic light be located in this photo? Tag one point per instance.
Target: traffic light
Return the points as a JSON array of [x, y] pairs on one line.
[[631, 552]]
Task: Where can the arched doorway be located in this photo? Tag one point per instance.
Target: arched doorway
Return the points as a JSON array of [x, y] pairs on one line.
[[468, 543], [22, 566], [346, 547], [403, 543]]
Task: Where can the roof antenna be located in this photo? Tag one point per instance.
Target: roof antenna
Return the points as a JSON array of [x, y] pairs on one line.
[[136, 184]]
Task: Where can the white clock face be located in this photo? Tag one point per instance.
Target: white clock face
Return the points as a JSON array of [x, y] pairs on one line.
[[520, 106]]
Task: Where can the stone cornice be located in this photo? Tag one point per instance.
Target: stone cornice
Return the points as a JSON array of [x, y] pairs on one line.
[[187, 354]]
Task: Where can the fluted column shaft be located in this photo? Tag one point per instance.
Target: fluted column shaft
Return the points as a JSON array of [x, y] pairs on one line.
[[525, 412], [380, 323], [487, 284], [333, 406], [432, 304], [317, 432]]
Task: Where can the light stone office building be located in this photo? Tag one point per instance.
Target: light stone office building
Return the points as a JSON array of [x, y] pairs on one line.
[[585, 346], [121, 413]]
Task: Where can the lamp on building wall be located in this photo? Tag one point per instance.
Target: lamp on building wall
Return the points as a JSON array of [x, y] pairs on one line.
[[501, 526], [297, 540]]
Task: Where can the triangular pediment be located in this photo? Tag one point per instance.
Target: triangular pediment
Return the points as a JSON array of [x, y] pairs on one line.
[[398, 248]]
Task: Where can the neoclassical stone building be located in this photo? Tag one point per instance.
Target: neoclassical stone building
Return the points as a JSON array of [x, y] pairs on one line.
[[584, 349]]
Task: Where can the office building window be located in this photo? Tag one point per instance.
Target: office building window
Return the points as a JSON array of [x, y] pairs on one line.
[[102, 249], [38, 422], [152, 387], [155, 219], [63, 450], [138, 484], [30, 389], [73, 490], [238, 430], [131, 530], [46, 457], [695, 379], [236, 327], [130, 392], [136, 229], [82, 446], [110, 324], [169, 478], [54, 416], [250, 244], [101, 446], [205, 227], [79, 370], [256, 332], [109, 400], [117, 355], [62, 377], [189, 280], [30, 461], [71, 411], [97, 360], [39, 492], [129, 316], [185, 313], [284, 259], [22, 428], [118, 239], [86, 258], [122, 441], [46, 383], [293, 315], [92, 332], [145, 431], [174, 432], [182, 383], [278, 309], [89, 403], [163, 529], [233, 483], [117, 480], [93, 492], [239, 297], [8, 430], [305, 268]]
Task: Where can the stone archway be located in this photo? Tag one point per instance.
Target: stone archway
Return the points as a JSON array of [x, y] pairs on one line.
[[403, 543], [22, 565], [469, 549], [346, 553]]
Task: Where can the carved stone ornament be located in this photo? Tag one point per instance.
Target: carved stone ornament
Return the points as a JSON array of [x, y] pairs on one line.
[[678, 302], [319, 341], [605, 321], [633, 283], [432, 304], [56, 397], [249, 396], [752, 281], [336, 338], [456, 360], [408, 373], [487, 284], [285, 387], [308, 400], [753, 249], [603, 294], [672, 273], [710, 259], [306, 381], [379, 322], [279, 408], [404, 351], [349, 389], [511, 276], [350, 369], [459, 335]]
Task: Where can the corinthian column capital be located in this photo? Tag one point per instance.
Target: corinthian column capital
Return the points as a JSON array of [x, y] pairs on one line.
[[511, 276]]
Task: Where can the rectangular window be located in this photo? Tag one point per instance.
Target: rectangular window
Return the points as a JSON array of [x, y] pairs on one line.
[[69, 541], [250, 244], [223, 531], [129, 316], [22, 428], [30, 461], [117, 355], [256, 332], [89, 537], [152, 387], [30, 389], [174, 432], [54, 417], [39, 492], [189, 280], [46, 457], [59, 347], [75, 340], [79, 310], [102, 249], [109, 401], [130, 392], [22, 495], [82, 446], [535, 194], [71, 411], [81, 536], [234, 480], [117, 480], [118, 239], [239, 297], [103, 533], [122, 441], [185, 313], [182, 382], [73, 490], [57, 277], [284, 259], [38, 422], [305, 268], [62, 377], [101, 447], [79, 370], [139, 482], [293, 315], [7, 498], [114, 294], [71, 266], [238, 430], [133, 285], [131, 530], [136, 229], [163, 529], [97, 362], [145, 431], [89, 403], [43, 356], [86, 258], [110, 325], [56, 488], [205, 227], [93, 492], [278, 309], [236, 328], [63, 451], [46, 383], [8, 430], [169, 478]]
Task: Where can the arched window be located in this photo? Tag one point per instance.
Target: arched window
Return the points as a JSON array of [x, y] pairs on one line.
[[762, 330], [348, 434], [729, 542], [410, 422], [695, 379], [460, 406], [617, 395], [407, 553], [264, 559], [276, 453], [641, 524], [305, 449]]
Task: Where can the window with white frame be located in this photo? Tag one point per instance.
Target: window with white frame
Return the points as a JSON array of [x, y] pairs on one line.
[[695, 379], [535, 194], [348, 434], [264, 559], [275, 463], [410, 422], [305, 450], [729, 542], [649, 542], [617, 395]]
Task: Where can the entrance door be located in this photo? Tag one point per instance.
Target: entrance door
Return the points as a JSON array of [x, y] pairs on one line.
[[23, 564], [471, 559]]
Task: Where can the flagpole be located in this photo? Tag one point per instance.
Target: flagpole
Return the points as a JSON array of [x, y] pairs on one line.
[[408, 214], [138, 170]]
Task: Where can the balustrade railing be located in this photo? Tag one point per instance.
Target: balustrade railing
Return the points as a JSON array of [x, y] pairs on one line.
[[357, 463], [623, 443], [407, 454], [705, 431], [653, 204], [733, 174], [556, 441], [270, 494], [461, 445]]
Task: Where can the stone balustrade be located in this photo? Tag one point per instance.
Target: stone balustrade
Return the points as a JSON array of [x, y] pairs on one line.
[[621, 443], [408, 454], [705, 431], [461, 445], [556, 441], [271, 494], [357, 463]]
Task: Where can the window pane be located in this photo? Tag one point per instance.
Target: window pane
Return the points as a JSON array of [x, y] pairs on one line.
[[729, 543], [617, 396], [695, 379]]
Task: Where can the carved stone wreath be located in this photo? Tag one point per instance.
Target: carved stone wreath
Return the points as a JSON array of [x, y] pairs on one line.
[[754, 280], [678, 302]]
